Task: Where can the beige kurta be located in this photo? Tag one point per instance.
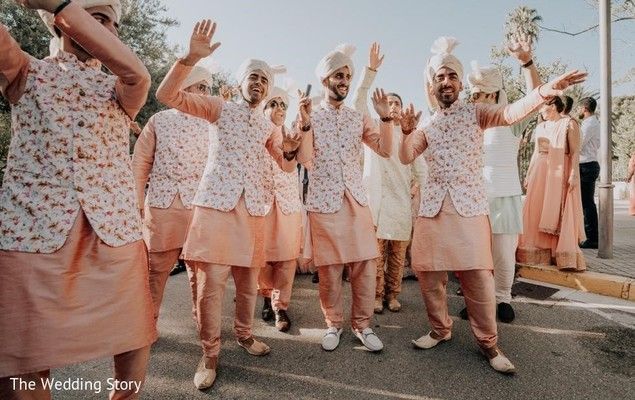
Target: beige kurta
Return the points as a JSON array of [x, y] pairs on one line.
[[283, 235], [343, 237], [227, 238], [84, 301]]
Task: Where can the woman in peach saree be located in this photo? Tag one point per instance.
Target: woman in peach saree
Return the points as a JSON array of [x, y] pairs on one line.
[[552, 214]]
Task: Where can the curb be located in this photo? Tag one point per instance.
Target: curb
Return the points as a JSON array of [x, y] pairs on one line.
[[594, 282]]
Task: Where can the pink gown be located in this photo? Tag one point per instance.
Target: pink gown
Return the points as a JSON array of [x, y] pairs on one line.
[[552, 214]]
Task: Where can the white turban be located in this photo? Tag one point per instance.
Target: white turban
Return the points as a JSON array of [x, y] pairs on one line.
[[278, 92], [486, 79], [442, 57], [338, 58], [198, 74], [251, 65], [48, 17]]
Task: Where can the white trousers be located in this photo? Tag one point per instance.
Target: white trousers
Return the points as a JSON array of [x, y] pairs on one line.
[[504, 254]]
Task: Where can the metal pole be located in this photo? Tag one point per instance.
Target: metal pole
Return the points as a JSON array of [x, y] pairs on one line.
[[605, 246]]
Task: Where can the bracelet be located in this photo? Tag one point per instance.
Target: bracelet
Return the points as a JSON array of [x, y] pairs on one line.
[[289, 155], [61, 7], [540, 94], [386, 119], [305, 128], [528, 63]]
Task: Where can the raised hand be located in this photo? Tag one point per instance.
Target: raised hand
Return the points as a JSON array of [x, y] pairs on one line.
[[520, 49], [557, 86], [380, 103], [290, 141], [201, 41], [409, 119], [46, 5], [375, 58], [304, 111], [227, 92]]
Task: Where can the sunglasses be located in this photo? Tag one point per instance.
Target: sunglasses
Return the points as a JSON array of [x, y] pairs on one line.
[[274, 104]]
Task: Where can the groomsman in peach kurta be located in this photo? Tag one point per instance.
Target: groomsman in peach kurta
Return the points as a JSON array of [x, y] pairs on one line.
[[226, 235], [172, 152], [341, 226], [452, 231], [283, 229], [74, 281]]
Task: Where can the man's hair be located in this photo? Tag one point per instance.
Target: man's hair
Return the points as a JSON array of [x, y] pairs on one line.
[[397, 96], [589, 104], [568, 104], [557, 101]]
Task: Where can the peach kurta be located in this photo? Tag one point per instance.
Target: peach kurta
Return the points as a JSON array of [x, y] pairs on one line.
[[172, 153], [341, 225], [631, 185], [72, 258]]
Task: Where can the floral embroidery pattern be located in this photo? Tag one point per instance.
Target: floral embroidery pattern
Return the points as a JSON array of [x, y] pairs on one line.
[[337, 142], [69, 149], [240, 164], [287, 189], [180, 157], [455, 162]]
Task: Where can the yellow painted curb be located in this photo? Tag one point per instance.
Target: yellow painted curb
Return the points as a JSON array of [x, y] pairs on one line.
[[594, 282]]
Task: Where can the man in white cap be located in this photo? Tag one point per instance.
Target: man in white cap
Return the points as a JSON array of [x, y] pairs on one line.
[[172, 152], [452, 232], [391, 186], [74, 281], [341, 225], [500, 171], [226, 235], [283, 229]]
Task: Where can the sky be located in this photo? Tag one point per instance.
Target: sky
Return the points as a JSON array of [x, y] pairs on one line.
[[299, 33]]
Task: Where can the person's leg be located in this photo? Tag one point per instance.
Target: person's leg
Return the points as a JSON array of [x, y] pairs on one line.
[[211, 280], [191, 276], [284, 274], [504, 256], [362, 288], [130, 367], [589, 173], [394, 272], [265, 288], [433, 289], [160, 264], [379, 281], [331, 294], [478, 291], [25, 386], [246, 281]]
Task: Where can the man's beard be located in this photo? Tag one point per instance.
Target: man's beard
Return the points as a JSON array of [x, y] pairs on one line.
[[335, 95]]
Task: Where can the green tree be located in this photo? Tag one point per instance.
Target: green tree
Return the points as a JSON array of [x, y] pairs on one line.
[[623, 133]]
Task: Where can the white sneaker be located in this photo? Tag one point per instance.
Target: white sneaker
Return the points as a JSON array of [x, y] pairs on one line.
[[369, 339], [331, 338], [428, 342]]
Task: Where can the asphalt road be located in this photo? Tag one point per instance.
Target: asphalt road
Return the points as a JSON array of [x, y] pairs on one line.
[[565, 345]]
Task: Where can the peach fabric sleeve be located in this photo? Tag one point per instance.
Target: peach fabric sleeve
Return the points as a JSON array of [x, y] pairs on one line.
[[489, 116], [133, 80], [380, 141], [274, 147], [14, 67], [412, 146], [305, 151], [198, 105], [143, 159]]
